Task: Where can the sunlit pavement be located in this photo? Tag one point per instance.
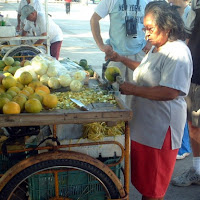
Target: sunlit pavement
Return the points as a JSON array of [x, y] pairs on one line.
[[78, 43]]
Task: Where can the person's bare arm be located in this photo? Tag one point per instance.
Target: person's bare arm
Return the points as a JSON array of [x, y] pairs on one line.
[[24, 33], [40, 41], [18, 22], [96, 32], [159, 93], [126, 61]]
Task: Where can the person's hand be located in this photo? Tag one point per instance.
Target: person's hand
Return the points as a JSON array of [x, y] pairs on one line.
[[126, 88], [147, 47], [23, 41], [114, 56], [107, 49]]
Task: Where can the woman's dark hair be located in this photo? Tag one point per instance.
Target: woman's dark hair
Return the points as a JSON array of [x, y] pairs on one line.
[[166, 18]]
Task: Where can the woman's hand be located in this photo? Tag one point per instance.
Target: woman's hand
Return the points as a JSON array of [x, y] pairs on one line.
[[114, 56], [127, 88]]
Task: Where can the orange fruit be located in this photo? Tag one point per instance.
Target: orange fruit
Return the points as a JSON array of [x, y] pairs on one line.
[[8, 82], [50, 101], [41, 93], [23, 95], [25, 78], [11, 107], [29, 89], [35, 96], [15, 89], [19, 85], [11, 93], [33, 106], [6, 68], [25, 92], [21, 100], [34, 84], [6, 95], [43, 88], [3, 100], [111, 73]]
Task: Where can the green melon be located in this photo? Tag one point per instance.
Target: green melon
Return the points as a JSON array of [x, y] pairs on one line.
[[9, 61], [16, 63], [83, 63]]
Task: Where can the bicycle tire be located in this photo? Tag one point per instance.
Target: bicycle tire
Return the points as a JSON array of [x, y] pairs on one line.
[[22, 50], [104, 177]]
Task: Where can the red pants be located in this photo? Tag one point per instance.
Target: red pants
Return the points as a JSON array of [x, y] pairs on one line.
[[151, 169], [55, 49]]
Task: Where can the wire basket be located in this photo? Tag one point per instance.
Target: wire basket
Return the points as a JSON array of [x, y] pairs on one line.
[[72, 184]]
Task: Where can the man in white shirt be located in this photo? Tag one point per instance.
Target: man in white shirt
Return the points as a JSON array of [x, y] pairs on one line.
[[37, 22], [133, 46], [37, 6]]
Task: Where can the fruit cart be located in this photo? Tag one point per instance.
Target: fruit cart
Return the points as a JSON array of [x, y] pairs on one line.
[[56, 160], [68, 170]]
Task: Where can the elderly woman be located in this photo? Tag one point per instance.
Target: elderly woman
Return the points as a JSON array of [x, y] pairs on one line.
[[161, 81]]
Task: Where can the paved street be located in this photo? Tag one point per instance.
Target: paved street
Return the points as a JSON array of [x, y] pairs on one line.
[[78, 43]]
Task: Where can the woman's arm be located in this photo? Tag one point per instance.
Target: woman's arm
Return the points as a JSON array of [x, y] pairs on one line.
[[158, 93]]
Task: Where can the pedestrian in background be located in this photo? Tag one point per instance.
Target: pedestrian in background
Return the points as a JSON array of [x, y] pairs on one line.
[[192, 175], [37, 6], [185, 149], [132, 45], [37, 22], [160, 83], [67, 5]]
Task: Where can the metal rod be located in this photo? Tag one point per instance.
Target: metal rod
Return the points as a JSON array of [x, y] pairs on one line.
[[127, 159]]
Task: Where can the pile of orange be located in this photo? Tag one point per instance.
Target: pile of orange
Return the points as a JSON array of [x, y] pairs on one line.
[[25, 94]]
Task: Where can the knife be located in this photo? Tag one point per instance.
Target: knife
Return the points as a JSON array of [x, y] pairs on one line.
[[79, 104]]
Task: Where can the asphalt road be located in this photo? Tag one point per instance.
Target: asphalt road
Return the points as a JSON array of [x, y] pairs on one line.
[[78, 43]]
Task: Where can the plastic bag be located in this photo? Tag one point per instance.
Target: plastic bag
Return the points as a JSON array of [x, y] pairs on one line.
[[44, 64]]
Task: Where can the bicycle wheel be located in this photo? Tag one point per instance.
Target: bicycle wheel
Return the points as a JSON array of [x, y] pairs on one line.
[[74, 169], [23, 52]]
